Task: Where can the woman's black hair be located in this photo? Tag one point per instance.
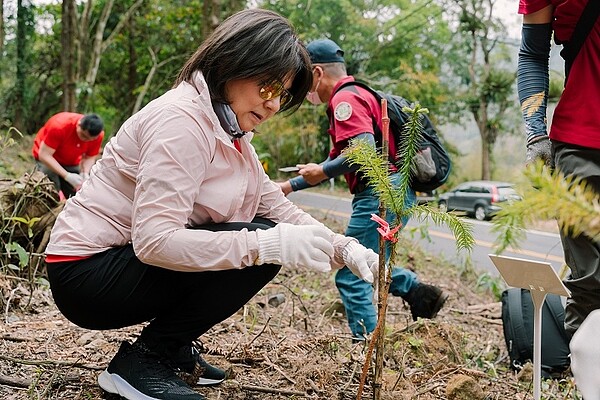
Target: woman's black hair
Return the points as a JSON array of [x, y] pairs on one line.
[[252, 44]]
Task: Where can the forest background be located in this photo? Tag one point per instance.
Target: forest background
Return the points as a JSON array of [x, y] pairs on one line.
[[455, 57]]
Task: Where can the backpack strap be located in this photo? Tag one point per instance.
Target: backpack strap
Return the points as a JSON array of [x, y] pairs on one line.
[[583, 28], [376, 131], [362, 85], [391, 106], [515, 306], [558, 314]]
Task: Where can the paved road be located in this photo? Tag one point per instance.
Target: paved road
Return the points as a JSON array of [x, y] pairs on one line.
[[539, 246]]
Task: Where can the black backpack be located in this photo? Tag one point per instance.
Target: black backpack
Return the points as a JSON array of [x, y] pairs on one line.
[[517, 321], [439, 164]]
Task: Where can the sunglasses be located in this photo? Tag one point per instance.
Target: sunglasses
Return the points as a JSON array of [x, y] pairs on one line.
[[272, 89]]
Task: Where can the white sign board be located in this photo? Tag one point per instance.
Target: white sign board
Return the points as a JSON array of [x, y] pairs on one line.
[[540, 279], [532, 275]]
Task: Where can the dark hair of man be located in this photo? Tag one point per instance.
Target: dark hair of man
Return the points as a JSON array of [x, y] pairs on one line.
[[91, 123], [252, 44]]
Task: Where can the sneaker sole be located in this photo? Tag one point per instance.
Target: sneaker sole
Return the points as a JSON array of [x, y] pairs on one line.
[[209, 382], [113, 383]]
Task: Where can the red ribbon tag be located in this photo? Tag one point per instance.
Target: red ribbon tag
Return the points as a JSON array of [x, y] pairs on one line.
[[384, 228]]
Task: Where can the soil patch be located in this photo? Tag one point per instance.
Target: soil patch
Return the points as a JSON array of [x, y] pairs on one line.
[[289, 342]]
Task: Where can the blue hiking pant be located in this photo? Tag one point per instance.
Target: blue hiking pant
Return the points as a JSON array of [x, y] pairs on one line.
[[356, 294]]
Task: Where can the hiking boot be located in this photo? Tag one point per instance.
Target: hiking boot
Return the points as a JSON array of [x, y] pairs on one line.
[[195, 370], [425, 301], [137, 373]]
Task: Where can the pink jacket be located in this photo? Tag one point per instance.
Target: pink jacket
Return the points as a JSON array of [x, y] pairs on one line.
[[171, 166]]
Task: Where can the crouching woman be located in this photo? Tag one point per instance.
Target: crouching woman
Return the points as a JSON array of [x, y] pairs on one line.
[[178, 225]]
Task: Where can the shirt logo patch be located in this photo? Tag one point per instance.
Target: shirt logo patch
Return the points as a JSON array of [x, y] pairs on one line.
[[343, 111]]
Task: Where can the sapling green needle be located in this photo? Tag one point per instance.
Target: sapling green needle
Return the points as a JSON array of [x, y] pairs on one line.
[[548, 195], [377, 171]]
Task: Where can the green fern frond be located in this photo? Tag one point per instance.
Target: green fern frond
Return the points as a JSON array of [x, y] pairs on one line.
[[547, 195], [461, 230], [377, 171]]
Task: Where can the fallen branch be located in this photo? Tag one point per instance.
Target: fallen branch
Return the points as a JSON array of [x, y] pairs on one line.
[[261, 331], [276, 368], [54, 362], [16, 382], [263, 389], [13, 338], [314, 386], [428, 388]]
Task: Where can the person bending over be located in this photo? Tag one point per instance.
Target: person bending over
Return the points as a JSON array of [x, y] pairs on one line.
[[66, 147]]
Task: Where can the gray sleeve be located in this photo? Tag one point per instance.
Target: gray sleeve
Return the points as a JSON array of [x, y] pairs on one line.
[[299, 183], [533, 78], [340, 165], [333, 167]]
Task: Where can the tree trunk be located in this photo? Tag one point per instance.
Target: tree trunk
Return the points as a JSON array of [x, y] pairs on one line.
[[1, 28], [99, 44], [485, 159], [155, 66], [95, 54], [211, 13], [486, 145], [21, 63], [83, 28], [69, 55], [477, 20], [132, 64]]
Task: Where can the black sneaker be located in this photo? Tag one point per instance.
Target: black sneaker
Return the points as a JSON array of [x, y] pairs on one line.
[[425, 301], [136, 373], [195, 370]]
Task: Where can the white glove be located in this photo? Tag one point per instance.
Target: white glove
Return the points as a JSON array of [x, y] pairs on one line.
[[74, 180], [296, 246], [363, 262], [84, 176]]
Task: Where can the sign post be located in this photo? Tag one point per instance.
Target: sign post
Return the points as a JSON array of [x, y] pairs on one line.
[[540, 279]]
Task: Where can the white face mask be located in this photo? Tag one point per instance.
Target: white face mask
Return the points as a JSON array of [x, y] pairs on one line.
[[313, 97]]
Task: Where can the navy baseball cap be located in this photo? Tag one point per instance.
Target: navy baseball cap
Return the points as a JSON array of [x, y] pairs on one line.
[[325, 51]]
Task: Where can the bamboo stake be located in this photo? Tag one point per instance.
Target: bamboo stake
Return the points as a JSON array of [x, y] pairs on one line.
[[383, 282], [382, 286]]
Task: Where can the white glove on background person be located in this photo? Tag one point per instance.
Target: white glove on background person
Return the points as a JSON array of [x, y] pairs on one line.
[[74, 180], [363, 262], [288, 245]]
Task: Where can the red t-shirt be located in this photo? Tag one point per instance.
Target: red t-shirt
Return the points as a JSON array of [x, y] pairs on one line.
[[575, 119], [60, 133], [351, 112]]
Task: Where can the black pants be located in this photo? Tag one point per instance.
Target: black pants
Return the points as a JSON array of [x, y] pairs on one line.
[[114, 289], [60, 183], [582, 254]]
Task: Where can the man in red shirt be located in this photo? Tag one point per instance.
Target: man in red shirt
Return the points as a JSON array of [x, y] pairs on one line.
[[573, 144], [65, 149], [351, 114]]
